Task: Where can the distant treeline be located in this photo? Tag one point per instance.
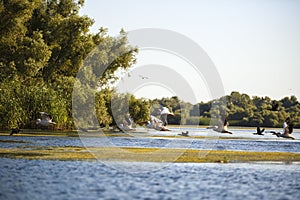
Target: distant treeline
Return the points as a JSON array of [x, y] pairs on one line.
[[241, 110]]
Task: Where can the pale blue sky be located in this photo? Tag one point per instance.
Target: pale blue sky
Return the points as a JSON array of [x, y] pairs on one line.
[[254, 44]]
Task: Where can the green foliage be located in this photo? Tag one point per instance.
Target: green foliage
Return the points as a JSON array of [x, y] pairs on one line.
[[241, 110], [139, 109], [22, 103], [112, 107], [43, 46], [193, 120], [102, 105]]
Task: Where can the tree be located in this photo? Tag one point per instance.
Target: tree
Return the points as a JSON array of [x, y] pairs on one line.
[[289, 102], [23, 53], [112, 107], [43, 46]]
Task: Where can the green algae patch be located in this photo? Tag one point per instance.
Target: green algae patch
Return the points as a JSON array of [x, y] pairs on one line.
[[146, 155], [47, 153], [223, 156]]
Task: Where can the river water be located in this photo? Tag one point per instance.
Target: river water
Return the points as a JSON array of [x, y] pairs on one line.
[[42, 179], [39, 179]]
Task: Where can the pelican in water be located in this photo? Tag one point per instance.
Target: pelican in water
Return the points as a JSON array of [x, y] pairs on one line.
[[164, 115], [46, 120]]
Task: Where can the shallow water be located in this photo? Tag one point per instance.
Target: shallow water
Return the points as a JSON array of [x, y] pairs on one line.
[[39, 179], [246, 141]]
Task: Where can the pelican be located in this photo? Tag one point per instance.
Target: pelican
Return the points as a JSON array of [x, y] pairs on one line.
[[46, 120], [222, 127], [184, 133], [259, 131], [127, 123], [14, 131], [286, 134], [156, 124], [164, 115], [143, 77]]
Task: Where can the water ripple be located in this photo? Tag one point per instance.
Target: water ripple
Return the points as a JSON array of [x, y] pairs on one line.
[[38, 179]]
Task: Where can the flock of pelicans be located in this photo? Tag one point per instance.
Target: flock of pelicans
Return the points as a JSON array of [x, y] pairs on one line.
[[161, 124]]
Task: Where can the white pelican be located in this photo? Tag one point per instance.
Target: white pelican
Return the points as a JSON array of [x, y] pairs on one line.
[[222, 127], [287, 131], [156, 124], [164, 115], [46, 120], [127, 123]]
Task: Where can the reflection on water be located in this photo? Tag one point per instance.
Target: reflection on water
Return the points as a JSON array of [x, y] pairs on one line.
[[38, 179]]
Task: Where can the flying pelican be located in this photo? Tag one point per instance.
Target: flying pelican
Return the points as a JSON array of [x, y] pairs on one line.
[[14, 131], [143, 77], [156, 124], [286, 134], [164, 115], [46, 120], [259, 131], [184, 133], [127, 123], [222, 127]]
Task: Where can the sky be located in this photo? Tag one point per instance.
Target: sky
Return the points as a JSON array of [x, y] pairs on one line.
[[254, 44]]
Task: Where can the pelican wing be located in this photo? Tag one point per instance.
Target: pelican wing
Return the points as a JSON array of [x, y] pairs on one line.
[[155, 119], [45, 116], [165, 110]]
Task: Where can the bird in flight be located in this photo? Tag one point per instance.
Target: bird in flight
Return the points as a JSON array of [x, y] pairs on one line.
[[46, 120], [143, 77]]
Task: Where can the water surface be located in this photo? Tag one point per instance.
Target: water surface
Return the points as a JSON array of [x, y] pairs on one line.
[[42, 179], [241, 140], [39, 179]]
